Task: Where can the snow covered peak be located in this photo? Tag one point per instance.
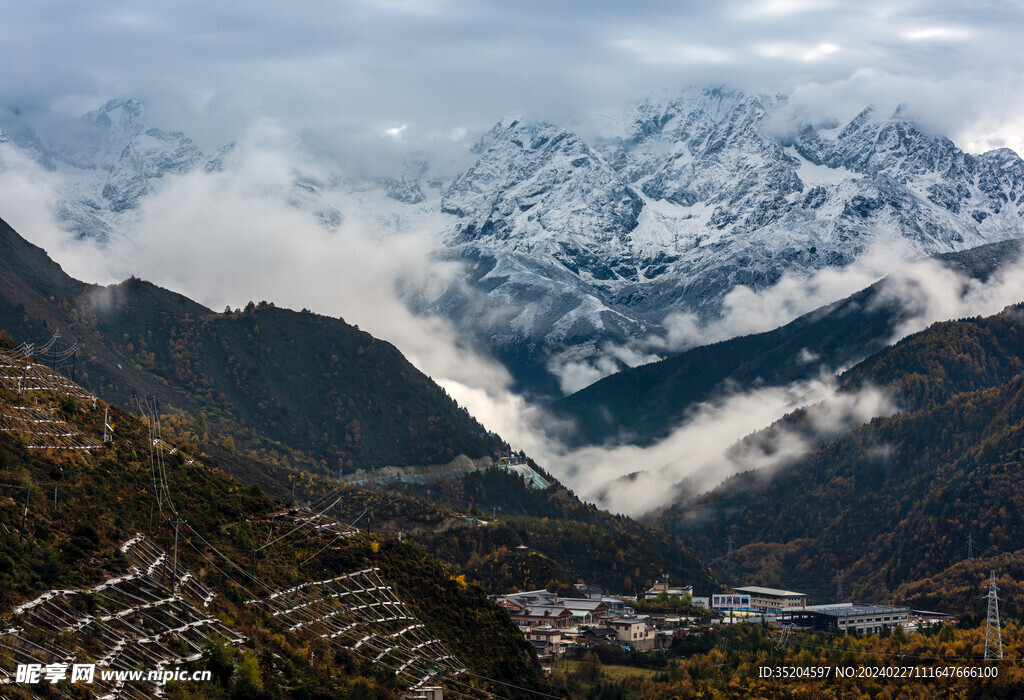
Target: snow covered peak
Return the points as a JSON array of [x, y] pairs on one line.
[[569, 241], [98, 139], [537, 187], [696, 194], [122, 114]]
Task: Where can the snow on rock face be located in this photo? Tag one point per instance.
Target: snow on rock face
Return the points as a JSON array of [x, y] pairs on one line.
[[695, 196], [538, 190], [569, 243], [100, 137], [150, 155]]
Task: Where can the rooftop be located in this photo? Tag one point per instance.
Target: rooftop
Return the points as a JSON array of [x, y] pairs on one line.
[[542, 611], [848, 608], [758, 590]]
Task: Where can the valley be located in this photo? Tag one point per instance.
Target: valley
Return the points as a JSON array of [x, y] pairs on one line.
[[619, 382]]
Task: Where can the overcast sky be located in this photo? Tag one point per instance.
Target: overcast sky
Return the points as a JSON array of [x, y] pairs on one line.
[[448, 69]]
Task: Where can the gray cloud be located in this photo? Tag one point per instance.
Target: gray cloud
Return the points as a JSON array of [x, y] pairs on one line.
[[438, 66], [375, 81]]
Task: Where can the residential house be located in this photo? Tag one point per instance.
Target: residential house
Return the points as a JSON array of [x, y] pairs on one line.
[[634, 632], [547, 641]]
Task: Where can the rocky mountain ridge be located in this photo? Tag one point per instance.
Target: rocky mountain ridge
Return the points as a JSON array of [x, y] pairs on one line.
[[572, 241], [695, 196]]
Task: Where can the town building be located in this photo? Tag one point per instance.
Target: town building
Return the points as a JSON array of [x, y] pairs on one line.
[[920, 619], [597, 635], [540, 616], [540, 607], [768, 600], [547, 642], [617, 607], [731, 601], [662, 586], [633, 632], [845, 617]]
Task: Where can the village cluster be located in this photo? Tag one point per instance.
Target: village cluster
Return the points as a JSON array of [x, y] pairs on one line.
[[556, 625]]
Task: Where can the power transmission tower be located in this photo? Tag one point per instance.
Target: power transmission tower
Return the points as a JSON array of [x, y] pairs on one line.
[[24, 376], [728, 541], [993, 636], [839, 586], [970, 546]]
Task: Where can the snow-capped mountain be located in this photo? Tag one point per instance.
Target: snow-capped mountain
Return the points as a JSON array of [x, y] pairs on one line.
[[110, 159], [570, 241], [574, 243]]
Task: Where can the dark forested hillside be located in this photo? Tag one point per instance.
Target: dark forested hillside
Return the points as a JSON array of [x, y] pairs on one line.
[[893, 501], [645, 403], [66, 515], [565, 540], [269, 392], [265, 376]]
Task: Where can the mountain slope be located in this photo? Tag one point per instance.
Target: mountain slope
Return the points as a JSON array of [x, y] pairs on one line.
[[894, 501], [297, 391], [270, 377], [645, 403], [67, 558]]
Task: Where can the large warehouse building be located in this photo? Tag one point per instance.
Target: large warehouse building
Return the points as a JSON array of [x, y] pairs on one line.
[[845, 617]]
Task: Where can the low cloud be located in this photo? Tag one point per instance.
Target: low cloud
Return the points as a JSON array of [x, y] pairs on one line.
[[744, 311], [705, 449], [28, 197], [227, 237], [709, 445], [930, 292]]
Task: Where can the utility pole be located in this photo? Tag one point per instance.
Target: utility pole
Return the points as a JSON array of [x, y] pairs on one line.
[[993, 635], [24, 517], [839, 586], [970, 546]]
